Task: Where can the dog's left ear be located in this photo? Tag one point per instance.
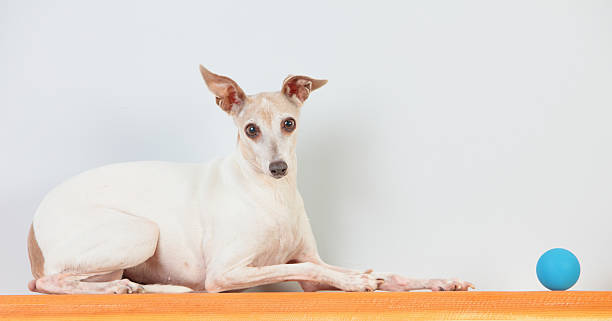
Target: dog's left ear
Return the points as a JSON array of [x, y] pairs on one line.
[[297, 88]]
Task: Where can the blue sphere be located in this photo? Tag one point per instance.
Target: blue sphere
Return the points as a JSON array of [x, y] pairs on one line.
[[558, 269]]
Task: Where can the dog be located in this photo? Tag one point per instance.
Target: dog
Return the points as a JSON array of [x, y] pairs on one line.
[[230, 224]]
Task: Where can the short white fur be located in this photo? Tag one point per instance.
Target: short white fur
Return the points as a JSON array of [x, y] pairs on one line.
[[224, 225]]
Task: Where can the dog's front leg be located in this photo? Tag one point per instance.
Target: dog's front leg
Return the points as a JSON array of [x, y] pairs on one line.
[[386, 281], [310, 286], [246, 277], [394, 282]]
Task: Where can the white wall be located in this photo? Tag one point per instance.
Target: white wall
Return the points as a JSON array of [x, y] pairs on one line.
[[453, 139]]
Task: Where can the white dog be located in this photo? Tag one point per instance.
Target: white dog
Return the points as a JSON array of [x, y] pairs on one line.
[[229, 224]]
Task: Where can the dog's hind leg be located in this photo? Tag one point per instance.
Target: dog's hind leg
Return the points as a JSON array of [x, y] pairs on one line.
[[69, 283], [66, 283], [89, 254]]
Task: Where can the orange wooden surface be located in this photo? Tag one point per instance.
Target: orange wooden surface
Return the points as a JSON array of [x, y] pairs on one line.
[[313, 306]]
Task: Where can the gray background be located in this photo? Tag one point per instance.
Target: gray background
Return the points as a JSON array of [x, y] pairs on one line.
[[453, 139]]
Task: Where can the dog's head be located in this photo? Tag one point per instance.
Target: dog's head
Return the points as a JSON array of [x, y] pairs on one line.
[[267, 122]]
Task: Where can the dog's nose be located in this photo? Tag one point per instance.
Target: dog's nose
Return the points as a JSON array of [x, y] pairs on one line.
[[278, 169]]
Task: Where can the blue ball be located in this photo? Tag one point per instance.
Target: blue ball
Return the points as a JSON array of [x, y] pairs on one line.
[[558, 269]]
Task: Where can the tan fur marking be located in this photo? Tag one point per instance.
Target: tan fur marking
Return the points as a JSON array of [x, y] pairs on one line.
[[248, 154], [265, 115], [37, 261]]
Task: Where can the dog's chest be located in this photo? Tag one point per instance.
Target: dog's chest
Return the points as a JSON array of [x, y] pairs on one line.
[[277, 236]]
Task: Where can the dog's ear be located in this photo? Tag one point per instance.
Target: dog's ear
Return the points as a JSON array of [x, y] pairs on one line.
[[228, 95], [297, 88]]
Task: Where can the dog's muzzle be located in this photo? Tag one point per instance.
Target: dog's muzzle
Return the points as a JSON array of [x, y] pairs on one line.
[[278, 169]]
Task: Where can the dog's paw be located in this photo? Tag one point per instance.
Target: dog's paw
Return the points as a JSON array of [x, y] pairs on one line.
[[449, 285], [125, 286], [362, 282]]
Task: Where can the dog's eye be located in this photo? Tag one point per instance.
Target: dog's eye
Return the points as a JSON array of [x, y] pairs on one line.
[[251, 130], [289, 124]]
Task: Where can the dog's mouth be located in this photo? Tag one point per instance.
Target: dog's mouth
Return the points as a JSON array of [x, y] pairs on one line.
[[277, 176]]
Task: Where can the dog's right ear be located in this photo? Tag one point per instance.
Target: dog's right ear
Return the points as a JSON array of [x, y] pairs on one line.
[[229, 96]]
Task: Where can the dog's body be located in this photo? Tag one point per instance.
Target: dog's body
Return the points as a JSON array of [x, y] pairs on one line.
[[229, 224], [181, 200]]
